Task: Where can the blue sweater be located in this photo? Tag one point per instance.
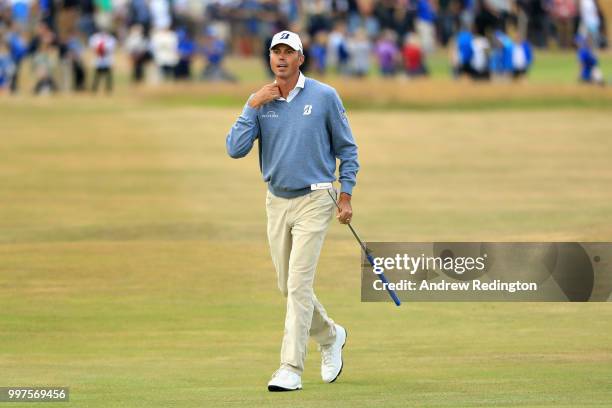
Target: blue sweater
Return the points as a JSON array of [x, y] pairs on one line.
[[299, 141]]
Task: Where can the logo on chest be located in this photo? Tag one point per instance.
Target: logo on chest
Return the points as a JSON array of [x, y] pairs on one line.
[[270, 114], [307, 110]]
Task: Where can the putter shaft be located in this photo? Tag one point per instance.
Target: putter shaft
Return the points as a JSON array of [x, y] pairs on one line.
[[382, 276]]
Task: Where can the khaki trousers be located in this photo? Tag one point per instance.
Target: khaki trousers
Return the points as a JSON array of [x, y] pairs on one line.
[[296, 231]]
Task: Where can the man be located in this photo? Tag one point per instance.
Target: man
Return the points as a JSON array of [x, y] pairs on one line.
[[302, 129], [103, 44]]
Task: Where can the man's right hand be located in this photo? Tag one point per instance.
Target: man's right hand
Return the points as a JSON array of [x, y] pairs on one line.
[[264, 95]]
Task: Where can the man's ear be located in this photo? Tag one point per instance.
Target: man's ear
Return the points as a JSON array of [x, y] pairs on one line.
[[301, 58]]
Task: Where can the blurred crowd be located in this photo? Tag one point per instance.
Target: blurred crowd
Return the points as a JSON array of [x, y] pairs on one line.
[[485, 38]]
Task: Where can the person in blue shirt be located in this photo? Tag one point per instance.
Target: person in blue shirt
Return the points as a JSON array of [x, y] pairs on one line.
[[213, 50], [186, 49], [501, 57], [7, 67], [302, 129], [464, 52], [18, 49], [589, 69], [318, 53]]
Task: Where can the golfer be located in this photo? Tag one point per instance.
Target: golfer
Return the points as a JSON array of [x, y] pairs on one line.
[[302, 129]]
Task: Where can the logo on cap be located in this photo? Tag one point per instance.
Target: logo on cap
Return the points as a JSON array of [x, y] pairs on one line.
[[289, 38]]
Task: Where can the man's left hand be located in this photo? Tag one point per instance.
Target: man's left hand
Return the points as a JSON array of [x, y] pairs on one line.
[[345, 212]]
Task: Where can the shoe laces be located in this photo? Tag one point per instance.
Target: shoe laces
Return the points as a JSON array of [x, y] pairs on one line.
[[326, 354], [282, 371]]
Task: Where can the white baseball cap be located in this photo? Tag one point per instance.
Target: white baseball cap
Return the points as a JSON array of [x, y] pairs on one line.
[[289, 38]]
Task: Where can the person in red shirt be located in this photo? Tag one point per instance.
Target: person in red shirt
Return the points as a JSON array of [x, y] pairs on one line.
[[414, 58]]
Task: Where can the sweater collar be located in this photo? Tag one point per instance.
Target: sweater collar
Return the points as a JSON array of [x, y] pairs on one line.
[[299, 84]]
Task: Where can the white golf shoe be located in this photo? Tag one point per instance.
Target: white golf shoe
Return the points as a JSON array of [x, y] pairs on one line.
[[285, 380], [331, 357]]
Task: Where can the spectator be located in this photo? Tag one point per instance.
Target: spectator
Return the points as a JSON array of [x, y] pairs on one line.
[[359, 49], [603, 27], [471, 56], [46, 11], [43, 34], [86, 22], [137, 47], [425, 25], [139, 13], [103, 15], [164, 47], [462, 53], [564, 13], [103, 45], [369, 19], [20, 12], [270, 20], [75, 50], [213, 49], [492, 15], [160, 13], [7, 68], [522, 58], [186, 50], [468, 13], [337, 50], [67, 19], [387, 53], [306, 44], [589, 65], [43, 64], [538, 22], [18, 49], [318, 53], [414, 58], [385, 11], [501, 59], [589, 20], [448, 11], [480, 60], [318, 14]]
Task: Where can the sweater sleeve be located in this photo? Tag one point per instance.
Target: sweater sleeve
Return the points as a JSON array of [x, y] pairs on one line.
[[243, 133], [343, 145]]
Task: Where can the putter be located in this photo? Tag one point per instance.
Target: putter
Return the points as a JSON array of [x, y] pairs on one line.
[[366, 251]]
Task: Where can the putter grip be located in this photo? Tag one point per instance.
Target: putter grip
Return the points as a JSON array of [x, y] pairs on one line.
[[384, 279]]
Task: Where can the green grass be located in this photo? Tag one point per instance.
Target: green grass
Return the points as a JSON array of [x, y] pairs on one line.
[[550, 67], [134, 265], [552, 84]]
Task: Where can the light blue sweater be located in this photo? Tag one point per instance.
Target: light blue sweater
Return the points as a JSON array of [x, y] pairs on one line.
[[299, 141]]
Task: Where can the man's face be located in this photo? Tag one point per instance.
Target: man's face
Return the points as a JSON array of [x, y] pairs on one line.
[[285, 61]]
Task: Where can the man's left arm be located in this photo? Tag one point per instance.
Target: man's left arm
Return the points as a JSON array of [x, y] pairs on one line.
[[345, 149]]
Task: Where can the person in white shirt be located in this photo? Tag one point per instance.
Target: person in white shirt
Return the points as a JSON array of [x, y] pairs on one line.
[[164, 46], [589, 20], [480, 58], [160, 11], [103, 46]]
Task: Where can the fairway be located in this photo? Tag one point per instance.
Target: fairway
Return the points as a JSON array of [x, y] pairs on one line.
[[134, 264]]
